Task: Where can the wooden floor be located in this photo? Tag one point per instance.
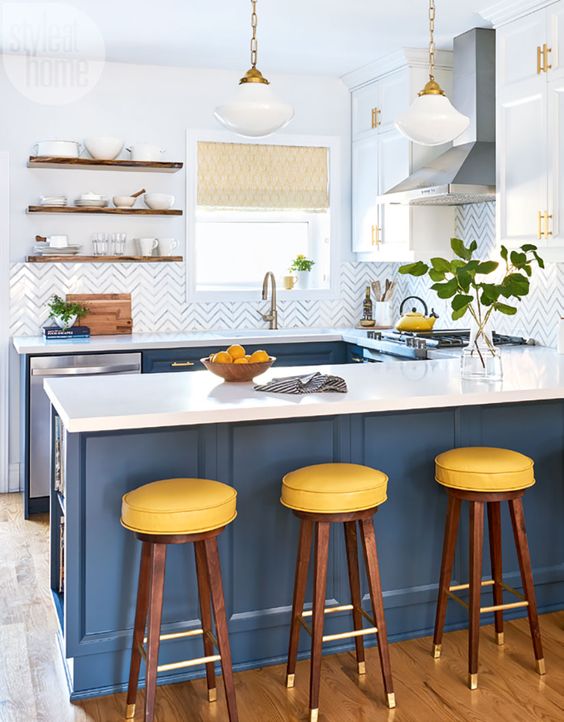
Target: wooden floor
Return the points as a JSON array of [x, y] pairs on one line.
[[33, 688]]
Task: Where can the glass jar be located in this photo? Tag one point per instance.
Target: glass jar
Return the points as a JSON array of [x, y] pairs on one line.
[[481, 360]]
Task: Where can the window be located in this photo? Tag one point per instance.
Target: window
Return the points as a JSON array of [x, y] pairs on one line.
[[255, 207]]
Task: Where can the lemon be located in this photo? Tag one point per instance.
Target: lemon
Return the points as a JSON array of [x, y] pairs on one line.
[[259, 356], [241, 360], [222, 357], [236, 351]]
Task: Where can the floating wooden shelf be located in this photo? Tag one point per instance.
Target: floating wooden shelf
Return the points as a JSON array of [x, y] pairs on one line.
[[47, 161], [104, 211], [103, 259]]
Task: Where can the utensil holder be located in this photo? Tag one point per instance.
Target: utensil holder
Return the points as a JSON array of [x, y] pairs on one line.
[[383, 313]]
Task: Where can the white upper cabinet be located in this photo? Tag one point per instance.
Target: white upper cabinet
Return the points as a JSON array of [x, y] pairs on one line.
[[530, 130], [382, 158]]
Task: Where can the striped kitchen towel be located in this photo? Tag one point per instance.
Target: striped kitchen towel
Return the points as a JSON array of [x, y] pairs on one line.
[[308, 384]]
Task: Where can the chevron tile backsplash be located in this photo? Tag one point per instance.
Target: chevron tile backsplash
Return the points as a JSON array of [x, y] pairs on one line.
[[159, 304]]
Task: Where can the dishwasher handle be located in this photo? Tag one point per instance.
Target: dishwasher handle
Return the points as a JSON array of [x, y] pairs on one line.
[[87, 370]]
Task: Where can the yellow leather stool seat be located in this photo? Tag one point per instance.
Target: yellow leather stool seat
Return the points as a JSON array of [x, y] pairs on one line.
[[178, 506], [483, 468], [334, 488]]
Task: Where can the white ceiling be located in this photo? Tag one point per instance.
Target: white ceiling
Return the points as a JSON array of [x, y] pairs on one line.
[[328, 37]]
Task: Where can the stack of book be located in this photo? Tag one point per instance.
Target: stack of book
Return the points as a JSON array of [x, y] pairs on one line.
[[52, 333]]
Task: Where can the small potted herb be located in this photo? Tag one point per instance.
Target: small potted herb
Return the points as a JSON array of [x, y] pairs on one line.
[[465, 281], [302, 266], [65, 314]]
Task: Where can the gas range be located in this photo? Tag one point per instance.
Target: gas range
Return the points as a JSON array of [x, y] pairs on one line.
[[416, 345]]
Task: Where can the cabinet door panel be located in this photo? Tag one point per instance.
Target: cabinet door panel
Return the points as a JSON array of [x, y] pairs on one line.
[[522, 161], [517, 49], [364, 101], [394, 98], [365, 193], [556, 164], [394, 166], [556, 38]]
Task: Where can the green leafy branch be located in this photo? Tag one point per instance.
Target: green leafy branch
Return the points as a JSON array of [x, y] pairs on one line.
[[462, 280], [65, 310]]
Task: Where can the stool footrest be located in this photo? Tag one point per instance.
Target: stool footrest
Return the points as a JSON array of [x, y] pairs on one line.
[[347, 635], [499, 607], [188, 663], [330, 610], [495, 607], [178, 635]]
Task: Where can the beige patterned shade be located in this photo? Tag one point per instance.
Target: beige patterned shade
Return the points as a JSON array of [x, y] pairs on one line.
[[245, 175]]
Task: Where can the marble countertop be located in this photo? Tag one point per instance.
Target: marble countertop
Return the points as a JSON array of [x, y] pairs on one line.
[[91, 404]]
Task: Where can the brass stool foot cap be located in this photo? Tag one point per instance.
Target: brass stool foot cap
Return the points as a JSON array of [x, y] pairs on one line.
[[473, 681], [437, 650], [541, 669], [362, 667], [500, 638], [290, 680], [130, 711], [212, 695], [313, 715], [391, 700]]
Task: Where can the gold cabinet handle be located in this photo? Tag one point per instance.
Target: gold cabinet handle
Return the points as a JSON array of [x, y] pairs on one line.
[[539, 61], [547, 219], [375, 117], [181, 364], [546, 66], [376, 240]]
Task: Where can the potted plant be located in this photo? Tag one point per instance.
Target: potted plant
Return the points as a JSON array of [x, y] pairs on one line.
[[65, 314], [464, 281], [302, 266]]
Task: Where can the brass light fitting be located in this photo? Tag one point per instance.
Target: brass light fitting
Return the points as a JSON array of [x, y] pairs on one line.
[[432, 87], [253, 74]]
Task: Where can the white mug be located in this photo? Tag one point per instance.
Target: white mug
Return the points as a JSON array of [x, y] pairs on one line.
[[167, 246], [147, 246]]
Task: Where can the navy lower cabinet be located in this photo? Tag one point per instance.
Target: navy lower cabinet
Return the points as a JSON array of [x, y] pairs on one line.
[[258, 550], [287, 354]]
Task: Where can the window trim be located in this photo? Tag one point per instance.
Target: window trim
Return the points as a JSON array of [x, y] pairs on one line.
[[332, 142]]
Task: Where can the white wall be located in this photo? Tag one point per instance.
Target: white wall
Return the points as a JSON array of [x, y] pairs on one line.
[[143, 103]]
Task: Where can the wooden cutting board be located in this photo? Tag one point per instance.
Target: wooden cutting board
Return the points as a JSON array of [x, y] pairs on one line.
[[108, 313]]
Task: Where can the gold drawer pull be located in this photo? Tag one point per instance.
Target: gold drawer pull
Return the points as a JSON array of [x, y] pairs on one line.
[[539, 60], [181, 364], [375, 117]]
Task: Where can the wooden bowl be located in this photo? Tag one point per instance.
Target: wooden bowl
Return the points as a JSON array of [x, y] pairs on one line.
[[238, 372]]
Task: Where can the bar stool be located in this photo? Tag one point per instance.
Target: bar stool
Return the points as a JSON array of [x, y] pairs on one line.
[[483, 475], [322, 495], [179, 511]]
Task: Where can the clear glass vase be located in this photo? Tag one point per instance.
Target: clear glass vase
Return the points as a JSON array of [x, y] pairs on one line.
[[481, 360]]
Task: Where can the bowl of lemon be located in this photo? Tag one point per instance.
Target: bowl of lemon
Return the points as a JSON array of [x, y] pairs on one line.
[[235, 364]]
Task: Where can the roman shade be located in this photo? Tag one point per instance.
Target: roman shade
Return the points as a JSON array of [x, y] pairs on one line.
[[262, 177]]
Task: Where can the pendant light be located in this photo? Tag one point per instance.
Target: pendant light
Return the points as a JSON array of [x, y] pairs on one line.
[[432, 119], [254, 111]]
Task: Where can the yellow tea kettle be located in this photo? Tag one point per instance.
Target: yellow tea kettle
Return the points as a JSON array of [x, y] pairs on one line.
[[414, 320]]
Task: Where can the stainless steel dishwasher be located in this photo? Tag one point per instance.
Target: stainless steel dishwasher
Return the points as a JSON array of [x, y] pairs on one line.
[[45, 367]]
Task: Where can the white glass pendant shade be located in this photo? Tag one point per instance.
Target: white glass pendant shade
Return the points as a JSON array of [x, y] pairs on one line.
[[432, 120], [255, 111]]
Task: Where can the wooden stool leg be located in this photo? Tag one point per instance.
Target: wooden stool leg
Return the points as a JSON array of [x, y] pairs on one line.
[[519, 530], [319, 591], [494, 527], [216, 585], [354, 579], [300, 583], [375, 585], [139, 628], [476, 550], [158, 557], [205, 613], [449, 544]]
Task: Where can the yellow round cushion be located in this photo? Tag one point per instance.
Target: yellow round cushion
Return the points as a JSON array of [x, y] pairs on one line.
[[178, 506], [484, 468], [334, 488]]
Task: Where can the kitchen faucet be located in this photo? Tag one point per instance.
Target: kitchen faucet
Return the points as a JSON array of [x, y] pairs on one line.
[[271, 317]]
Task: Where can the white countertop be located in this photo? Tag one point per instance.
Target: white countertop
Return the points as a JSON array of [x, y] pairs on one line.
[[199, 397]]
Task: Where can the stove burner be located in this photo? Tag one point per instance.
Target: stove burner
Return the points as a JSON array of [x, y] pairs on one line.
[[447, 338]]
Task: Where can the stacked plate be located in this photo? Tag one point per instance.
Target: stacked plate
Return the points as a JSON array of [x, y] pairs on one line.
[[43, 249], [91, 200], [53, 200]]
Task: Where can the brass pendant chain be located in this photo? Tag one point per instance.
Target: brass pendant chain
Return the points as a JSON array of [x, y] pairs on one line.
[[254, 44], [431, 39]]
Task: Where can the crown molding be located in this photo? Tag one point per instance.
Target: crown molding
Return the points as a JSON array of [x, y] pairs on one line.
[[407, 57], [508, 10]]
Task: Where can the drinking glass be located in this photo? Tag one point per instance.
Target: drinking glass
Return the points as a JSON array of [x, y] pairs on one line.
[[100, 244], [118, 243]]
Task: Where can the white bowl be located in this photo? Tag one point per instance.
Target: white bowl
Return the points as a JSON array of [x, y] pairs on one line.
[[103, 147], [158, 201], [124, 201]]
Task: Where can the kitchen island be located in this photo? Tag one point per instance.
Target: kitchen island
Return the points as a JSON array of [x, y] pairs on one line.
[[114, 434]]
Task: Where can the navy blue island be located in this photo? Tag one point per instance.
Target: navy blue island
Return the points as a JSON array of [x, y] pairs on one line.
[[111, 435]]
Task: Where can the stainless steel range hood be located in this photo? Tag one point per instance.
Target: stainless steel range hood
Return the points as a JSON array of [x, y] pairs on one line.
[[466, 172]]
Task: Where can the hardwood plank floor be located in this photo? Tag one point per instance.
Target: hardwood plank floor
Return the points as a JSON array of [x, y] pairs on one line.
[[33, 686]]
